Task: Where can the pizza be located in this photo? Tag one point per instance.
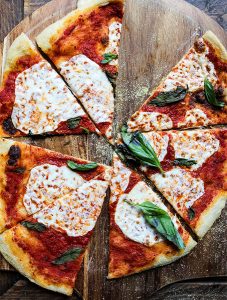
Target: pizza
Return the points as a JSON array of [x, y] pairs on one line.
[[134, 244], [188, 167], [193, 94], [34, 100], [32, 178], [84, 46]]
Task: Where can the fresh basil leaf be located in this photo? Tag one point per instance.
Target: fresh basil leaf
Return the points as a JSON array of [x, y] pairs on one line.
[[108, 57], [87, 131], [19, 170], [184, 162], [68, 256], [161, 221], [191, 213], [140, 148], [34, 226], [210, 94], [125, 155], [165, 98], [73, 122], [80, 167]]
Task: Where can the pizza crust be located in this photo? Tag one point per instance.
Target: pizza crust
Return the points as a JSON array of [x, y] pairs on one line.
[[220, 50]]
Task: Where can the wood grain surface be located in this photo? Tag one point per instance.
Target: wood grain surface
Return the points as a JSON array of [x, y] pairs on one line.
[[156, 34]]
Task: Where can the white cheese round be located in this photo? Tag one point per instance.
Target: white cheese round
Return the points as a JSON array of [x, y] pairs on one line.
[[158, 142], [194, 117], [114, 41]]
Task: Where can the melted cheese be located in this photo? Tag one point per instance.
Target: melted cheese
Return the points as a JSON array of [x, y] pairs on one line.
[[146, 121], [47, 183], [191, 71], [114, 41], [91, 85], [159, 143], [179, 187], [77, 212], [196, 145], [194, 117], [131, 221], [42, 100]]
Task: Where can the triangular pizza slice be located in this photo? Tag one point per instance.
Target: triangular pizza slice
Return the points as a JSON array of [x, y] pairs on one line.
[[48, 247], [84, 46], [193, 94], [34, 99], [143, 232], [188, 167], [32, 178]]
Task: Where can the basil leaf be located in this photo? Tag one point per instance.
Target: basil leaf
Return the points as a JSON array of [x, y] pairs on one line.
[[34, 226], [19, 170], [68, 256], [191, 213], [87, 131], [73, 122], [108, 57], [161, 221], [165, 98], [125, 155], [79, 167], [184, 162], [140, 148], [210, 94]]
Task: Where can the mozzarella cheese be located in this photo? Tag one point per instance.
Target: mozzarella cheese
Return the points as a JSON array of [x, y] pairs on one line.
[[158, 142], [196, 145], [47, 183], [179, 187], [42, 100], [91, 85], [194, 117], [120, 179], [114, 41], [191, 71], [77, 212], [131, 221], [146, 121]]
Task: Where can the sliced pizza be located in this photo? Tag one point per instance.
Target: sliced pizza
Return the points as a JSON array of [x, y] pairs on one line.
[[143, 232], [84, 46], [188, 167], [193, 94], [34, 99], [49, 246], [33, 177]]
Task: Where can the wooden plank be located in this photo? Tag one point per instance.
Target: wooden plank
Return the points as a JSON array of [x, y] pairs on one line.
[[31, 5]]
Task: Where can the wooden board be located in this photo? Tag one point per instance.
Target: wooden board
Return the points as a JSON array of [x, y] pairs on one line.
[[156, 34]]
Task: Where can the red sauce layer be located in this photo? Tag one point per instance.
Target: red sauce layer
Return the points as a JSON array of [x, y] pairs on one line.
[[85, 122]]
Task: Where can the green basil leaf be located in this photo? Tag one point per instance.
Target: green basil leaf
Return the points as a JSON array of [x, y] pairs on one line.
[[191, 213], [140, 148], [87, 131], [184, 162], [125, 155], [161, 221], [165, 98], [34, 226], [210, 94], [108, 57], [68, 256], [19, 170], [80, 167], [73, 122]]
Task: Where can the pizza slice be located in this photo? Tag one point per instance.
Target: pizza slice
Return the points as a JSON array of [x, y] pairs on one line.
[[34, 99], [48, 247], [188, 167], [143, 232], [193, 94], [33, 177], [84, 46]]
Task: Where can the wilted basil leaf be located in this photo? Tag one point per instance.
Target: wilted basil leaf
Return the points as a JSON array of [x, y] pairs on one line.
[[73, 122], [34, 226], [184, 162], [108, 57], [80, 167], [165, 98], [191, 213], [87, 131], [210, 94], [68, 256]]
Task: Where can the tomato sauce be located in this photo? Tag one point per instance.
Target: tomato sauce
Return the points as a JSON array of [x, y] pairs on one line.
[[85, 122]]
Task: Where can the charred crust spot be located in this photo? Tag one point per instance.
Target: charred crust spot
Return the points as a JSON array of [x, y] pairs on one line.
[[105, 40], [8, 126], [14, 154], [199, 46]]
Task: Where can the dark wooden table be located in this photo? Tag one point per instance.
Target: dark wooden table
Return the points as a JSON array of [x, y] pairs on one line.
[[12, 283]]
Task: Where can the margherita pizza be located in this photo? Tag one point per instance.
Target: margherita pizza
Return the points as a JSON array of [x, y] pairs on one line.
[[84, 47], [193, 94], [34, 99], [188, 167], [143, 232], [32, 178]]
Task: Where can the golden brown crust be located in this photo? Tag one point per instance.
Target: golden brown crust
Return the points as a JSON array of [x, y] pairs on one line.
[[219, 48]]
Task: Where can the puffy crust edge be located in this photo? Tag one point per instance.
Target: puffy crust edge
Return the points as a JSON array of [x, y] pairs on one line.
[[161, 260], [220, 50], [21, 262], [210, 215]]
